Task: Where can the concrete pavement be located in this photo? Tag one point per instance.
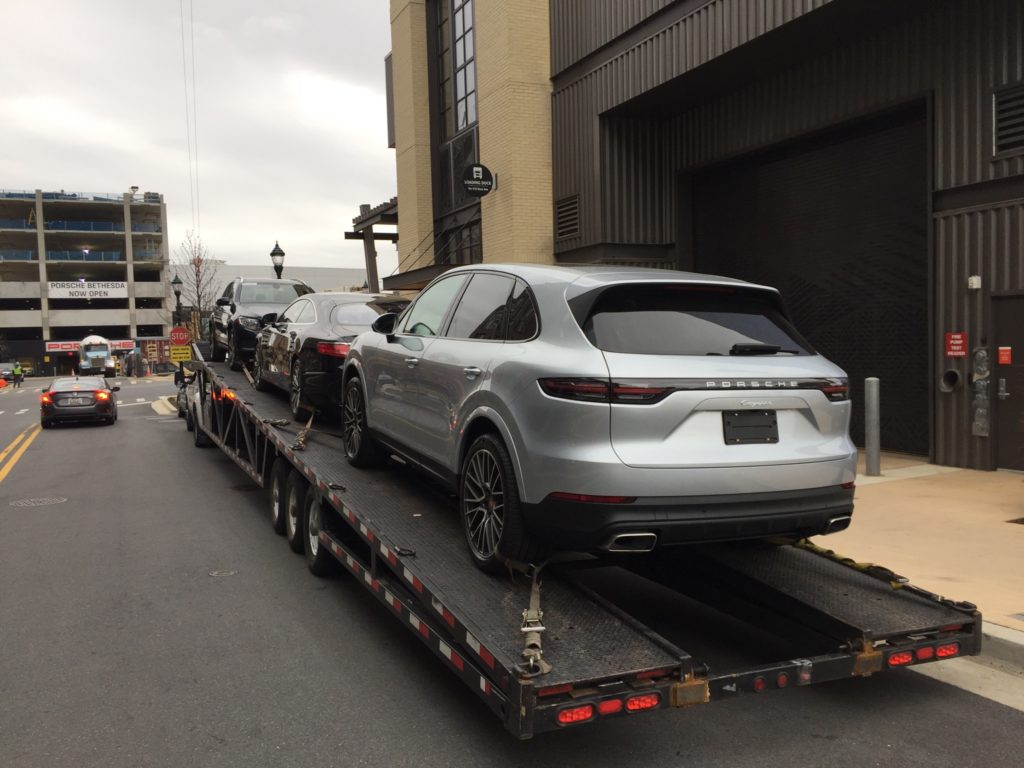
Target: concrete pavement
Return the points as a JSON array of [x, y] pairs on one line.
[[956, 532]]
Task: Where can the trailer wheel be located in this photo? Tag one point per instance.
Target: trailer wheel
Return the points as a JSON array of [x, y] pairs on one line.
[[199, 438], [277, 492], [492, 518], [258, 382], [294, 504], [318, 558], [361, 449]]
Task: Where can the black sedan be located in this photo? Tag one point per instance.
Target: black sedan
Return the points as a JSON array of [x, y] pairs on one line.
[[84, 398], [302, 350]]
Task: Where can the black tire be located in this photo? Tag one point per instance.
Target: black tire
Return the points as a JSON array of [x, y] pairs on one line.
[[216, 353], [490, 510], [294, 511], [299, 411], [257, 372], [361, 449], [199, 438], [189, 424], [231, 356], [318, 558], [277, 489]]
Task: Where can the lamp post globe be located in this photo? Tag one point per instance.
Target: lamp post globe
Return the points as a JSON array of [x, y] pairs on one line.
[[176, 287], [277, 256]]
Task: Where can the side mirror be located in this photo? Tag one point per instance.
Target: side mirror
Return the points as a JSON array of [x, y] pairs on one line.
[[115, 388], [179, 377], [223, 301], [385, 323], [269, 319]]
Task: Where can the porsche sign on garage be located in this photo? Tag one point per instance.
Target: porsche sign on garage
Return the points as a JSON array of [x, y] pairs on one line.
[[79, 289]]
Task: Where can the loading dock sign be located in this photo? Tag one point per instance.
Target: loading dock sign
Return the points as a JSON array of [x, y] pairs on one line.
[[83, 289], [477, 180], [956, 344]]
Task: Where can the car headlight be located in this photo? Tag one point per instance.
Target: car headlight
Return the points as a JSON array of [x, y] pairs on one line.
[[249, 323]]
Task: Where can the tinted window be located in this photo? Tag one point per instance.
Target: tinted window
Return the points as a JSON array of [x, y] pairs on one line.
[[681, 320], [306, 314], [522, 314], [483, 309], [271, 293], [427, 314], [85, 382], [355, 313], [291, 312]]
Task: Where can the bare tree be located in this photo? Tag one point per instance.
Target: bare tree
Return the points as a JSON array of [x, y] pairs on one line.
[[198, 272]]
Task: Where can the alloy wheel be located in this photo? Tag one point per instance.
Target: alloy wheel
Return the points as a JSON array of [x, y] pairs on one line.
[[352, 421], [313, 526], [483, 503]]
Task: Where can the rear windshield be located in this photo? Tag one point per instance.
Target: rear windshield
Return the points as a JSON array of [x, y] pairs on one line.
[[357, 313], [271, 293], [85, 382], [683, 320]]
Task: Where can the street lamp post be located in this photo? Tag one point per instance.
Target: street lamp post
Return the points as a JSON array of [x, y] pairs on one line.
[[176, 287], [277, 256]]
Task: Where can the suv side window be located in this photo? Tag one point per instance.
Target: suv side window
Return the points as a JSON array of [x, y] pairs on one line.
[[427, 314], [483, 308], [229, 292], [307, 314], [291, 313], [523, 322]]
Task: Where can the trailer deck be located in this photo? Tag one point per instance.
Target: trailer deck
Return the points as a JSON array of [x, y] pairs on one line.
[[400, 536]]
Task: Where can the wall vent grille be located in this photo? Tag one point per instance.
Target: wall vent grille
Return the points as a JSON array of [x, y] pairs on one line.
[[1008, 120], [567, 217]]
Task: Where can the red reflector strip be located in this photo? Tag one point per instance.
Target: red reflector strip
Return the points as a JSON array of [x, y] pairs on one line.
[[642, 702], [900, 658], [588, 499], [848, 486], [335, 349], [923, 654], [609, 706], [947, 650], [572, 715], [554, 690], [650, 673]]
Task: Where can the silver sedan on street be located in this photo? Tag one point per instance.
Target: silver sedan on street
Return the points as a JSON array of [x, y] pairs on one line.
[[605, 409]]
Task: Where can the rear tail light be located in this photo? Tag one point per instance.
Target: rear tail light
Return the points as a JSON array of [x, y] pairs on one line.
[[947, 650], [609, 706], [925, 653], [642, 702], [333, 348], [572, 715], [604, 391], [900, 658], [102, 396], [837, 390], [46, 400], [588, 499]]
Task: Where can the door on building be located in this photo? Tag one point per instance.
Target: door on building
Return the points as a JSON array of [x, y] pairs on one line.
[[1008, 381], [838, 223]]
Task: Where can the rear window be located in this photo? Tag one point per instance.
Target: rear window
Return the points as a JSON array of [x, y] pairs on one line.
[[358, 313], [271, 293], [85, 382], [683, 320]]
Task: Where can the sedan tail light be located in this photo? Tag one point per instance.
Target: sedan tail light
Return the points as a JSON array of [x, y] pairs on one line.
[[333, 348], [45, 399], [102, 395], [604, 391]]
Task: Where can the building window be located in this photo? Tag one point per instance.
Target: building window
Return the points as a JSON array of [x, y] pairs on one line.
[[456, 65]]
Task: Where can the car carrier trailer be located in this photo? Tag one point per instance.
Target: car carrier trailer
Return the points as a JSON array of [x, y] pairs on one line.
[[585, 639]]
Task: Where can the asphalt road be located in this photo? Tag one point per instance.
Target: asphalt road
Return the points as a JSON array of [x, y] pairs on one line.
[[154, 619]]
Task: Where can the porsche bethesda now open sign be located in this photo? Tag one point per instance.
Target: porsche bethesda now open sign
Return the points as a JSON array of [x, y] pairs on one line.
[[80, 289]]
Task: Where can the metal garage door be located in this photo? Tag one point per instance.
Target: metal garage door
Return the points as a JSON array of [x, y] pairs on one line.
[[838, 224]]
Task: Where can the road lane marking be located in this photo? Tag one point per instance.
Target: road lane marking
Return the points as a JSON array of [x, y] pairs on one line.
[[14, 442], [129, 405], [23, 410], [32, 435]]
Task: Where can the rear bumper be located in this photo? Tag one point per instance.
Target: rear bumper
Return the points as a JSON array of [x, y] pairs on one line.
[[76, 413], [681, 520]]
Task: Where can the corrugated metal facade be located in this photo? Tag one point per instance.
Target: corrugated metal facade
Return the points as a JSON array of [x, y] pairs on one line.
[[626, 167]]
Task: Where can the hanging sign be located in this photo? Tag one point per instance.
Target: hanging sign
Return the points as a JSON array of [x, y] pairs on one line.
[[956, 344], [477, 180]]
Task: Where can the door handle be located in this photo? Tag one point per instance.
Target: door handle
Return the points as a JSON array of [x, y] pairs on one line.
[[412, 361], [472, 372], [1002, 394]]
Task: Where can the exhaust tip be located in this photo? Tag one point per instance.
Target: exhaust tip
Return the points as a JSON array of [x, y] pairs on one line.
[[632, 542], [837, 524]]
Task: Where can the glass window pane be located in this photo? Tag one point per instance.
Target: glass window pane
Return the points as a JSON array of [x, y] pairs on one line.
[[471, 109], [459, 28], [462, 119], [482, 310], [470, 77], [427, 314], [522, 314], [460, 84], [460, 55], [469, 44], [467, 11]]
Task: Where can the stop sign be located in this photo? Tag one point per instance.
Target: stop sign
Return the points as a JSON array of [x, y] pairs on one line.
[[180, 335]]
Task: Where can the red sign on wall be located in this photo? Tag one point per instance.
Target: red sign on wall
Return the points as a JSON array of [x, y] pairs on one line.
[[956, 344], [1005, 356]]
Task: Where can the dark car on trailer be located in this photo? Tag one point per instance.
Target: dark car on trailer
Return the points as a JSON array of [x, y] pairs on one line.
[[302, 350], [235, 319], [85, 398]]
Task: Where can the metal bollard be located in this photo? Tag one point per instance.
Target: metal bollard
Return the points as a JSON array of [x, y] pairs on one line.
[[872, 428]]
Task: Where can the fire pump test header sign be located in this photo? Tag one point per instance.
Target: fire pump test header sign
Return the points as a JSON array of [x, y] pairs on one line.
[[79, 289]]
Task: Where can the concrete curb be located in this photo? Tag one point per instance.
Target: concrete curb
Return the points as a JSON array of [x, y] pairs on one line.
[[1003, 644]]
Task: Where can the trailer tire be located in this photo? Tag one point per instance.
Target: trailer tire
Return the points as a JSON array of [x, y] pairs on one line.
[[294, 508], [490, 510], [361, 449], [318, 557], [258, 382], [277, 489], [199, 438]]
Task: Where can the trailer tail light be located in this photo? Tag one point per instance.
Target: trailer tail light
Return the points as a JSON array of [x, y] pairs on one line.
[[925, 653], [573, 715], [642, 702], [554, 690], [947, 650], [900, 658], [45, 399], [102, 396], [333, 348], [585, 498], [609, 706], [760, 684], [781, 680]]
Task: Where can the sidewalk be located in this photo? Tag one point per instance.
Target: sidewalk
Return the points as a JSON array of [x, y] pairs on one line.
[[948, 530]]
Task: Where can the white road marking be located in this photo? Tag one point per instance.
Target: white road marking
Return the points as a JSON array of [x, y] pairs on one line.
[[1000, 685], [140, 399], [129, 405], [23, 410]]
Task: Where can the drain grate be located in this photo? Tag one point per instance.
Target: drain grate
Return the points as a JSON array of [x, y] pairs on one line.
[[45, 501]]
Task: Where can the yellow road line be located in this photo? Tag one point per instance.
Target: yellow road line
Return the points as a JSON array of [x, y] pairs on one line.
[[33, 434], [14, 442]]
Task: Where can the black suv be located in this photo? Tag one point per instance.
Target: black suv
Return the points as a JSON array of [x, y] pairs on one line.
[[235, 320]]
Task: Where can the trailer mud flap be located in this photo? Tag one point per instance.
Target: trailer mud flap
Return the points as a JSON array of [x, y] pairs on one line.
[[689, 693]]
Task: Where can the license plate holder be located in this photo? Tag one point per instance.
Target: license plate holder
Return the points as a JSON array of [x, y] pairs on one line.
[[747, 427], [75, 401]]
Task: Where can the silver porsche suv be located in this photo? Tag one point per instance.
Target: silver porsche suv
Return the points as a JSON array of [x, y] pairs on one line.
[[605, 409]]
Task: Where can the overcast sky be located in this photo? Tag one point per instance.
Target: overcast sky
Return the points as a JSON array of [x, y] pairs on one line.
[[291, 123]]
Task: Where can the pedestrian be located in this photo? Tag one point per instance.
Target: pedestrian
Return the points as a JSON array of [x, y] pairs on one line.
[[18, 375]]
